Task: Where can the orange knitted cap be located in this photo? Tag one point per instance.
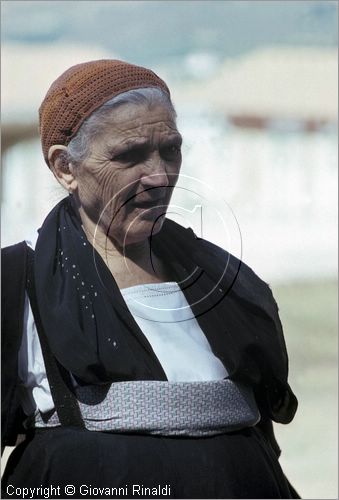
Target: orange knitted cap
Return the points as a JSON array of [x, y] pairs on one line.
[[82, 89]]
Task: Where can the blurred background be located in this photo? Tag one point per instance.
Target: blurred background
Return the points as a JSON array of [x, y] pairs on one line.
[[255, 88]]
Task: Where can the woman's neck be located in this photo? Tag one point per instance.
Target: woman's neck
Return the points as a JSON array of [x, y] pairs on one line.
[[131, 265]]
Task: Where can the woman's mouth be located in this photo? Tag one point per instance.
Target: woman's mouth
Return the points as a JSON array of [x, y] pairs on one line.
[[149, 203]]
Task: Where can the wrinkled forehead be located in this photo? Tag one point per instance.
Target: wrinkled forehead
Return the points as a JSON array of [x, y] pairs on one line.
[[130, 119]]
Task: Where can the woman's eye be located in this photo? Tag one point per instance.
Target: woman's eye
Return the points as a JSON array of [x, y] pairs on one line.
[[170, 152], [138, 155], [132, 156]]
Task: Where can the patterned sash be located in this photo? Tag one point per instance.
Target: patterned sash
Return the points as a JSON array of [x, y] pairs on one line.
[[164, 408]]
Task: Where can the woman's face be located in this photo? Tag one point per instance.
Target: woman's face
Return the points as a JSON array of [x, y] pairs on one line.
[[127, 181]]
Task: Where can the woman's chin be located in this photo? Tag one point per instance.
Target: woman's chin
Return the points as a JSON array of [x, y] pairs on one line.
[[141, 231]]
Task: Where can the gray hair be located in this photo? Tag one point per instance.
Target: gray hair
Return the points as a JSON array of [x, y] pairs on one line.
[[80, 146]]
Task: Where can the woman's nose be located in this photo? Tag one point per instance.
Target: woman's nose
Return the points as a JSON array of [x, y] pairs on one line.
[[156, 174]]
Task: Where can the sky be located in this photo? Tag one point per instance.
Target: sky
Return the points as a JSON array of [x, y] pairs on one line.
[[154, 31]]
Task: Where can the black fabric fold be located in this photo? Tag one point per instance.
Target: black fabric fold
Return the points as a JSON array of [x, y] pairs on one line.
[[90, 330], [93, 335], [239, 316]]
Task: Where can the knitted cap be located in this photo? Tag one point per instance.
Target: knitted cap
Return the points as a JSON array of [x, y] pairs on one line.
[[82, 89]]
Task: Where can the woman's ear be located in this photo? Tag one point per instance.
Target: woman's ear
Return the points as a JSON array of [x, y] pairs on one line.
[[61, 167]]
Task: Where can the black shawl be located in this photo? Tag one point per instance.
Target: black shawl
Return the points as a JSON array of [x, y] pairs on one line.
[[93, 335]]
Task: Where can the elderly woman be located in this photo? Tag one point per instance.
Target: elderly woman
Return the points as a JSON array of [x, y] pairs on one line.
[[138, 359]]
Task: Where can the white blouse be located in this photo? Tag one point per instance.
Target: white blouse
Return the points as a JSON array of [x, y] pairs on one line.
[[166, 319]]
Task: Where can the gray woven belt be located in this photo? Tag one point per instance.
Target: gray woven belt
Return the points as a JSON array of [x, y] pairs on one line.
[[165, 408]]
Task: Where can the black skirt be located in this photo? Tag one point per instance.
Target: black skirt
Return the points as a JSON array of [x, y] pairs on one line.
[[68, 462]]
